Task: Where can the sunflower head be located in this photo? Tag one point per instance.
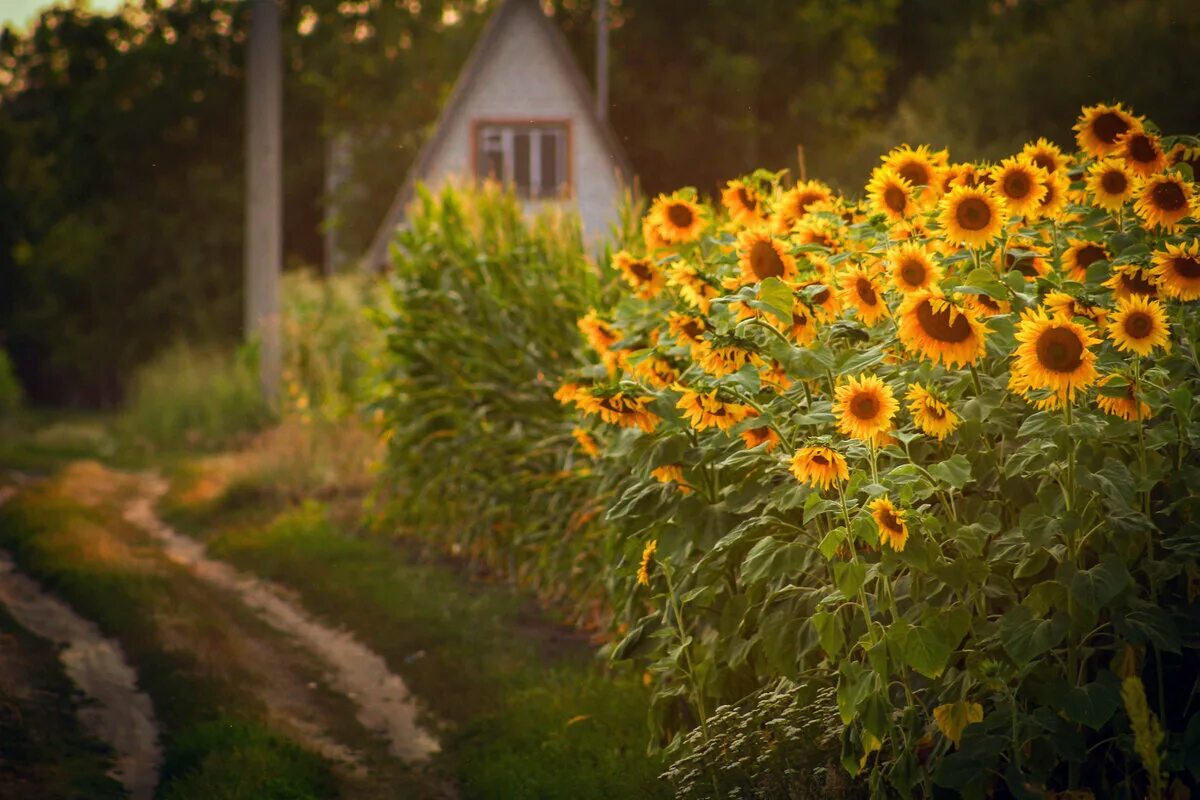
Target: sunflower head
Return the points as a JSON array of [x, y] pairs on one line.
[[1177, 270], [913, 268], [1123, 402], [1139, 325], [1128, 280], [762, 256], [1163, 201], [725, 359], [1100, 126], [676, 218], [864, 407], [756, 437], [1054, 353], [931, 415], [1080, 255], [920, 168], [643, 573], [744, 203], [803, 329], [1142, 152], [693, 286], [586, 442], [599, 334], [1021, 183], [1054, 202], [972, 217], [1061, 304], [819, 467], [939, 330], [671, 473], [1046, 154], [862, 293], [642, 274], [1024, 257], [704, 411], [893, 530], [620, 408], [891, 194], [1111, 183], [1185, 154], [796, 202]]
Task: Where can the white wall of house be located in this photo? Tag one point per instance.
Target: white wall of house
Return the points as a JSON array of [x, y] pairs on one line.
[[521, 79]]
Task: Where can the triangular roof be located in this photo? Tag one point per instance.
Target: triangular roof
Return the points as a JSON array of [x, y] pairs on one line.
[[376, 254]]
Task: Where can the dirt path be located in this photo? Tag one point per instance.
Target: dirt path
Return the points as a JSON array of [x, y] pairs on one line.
[[122, 715], [384, 704]]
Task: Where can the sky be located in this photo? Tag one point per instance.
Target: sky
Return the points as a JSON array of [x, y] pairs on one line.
[[19, 12]]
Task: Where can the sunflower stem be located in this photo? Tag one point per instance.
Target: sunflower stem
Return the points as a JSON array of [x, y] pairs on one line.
[[862, 595]]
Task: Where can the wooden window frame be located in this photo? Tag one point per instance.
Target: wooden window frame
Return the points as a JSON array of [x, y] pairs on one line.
[[529, 122]]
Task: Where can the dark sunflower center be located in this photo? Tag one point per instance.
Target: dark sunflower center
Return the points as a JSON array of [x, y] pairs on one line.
[[1050, 197], [935, 411], [945, 324], [987, 302], [1022, 265], [1141, 148], [865, 406], [1169, 196], [912, 272], [973, 214], [805, 200], [1139, 325], [691, 329], [895, 199], [820, 297], [1044, 161], [799, 320], [1108, 126], [1059, 350], [1186, 267], [1017, 185], [890, 521], [680, 215], [1089, 254], [1136, 284], [765, 261], [822, 460], [1114, 182], [641, 270], [747, 200], [866, 291], [915, 173]]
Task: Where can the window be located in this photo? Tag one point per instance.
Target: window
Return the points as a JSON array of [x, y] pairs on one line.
[[530, 156]]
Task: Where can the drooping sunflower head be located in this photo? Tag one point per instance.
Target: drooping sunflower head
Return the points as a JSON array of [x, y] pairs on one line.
[[984, 305], [656, 371], [864, 407], [643, 573], [796, 202], [1177, 269], [774, 376], [972, 217], [1121, 401], [913, 268], [1021, 183], [756, 437], [819, 467], [621, 409], [744, 203], [586, 443], [1054, 353], [921, 168], [704, 411], [686, 329], [1054, 202], [940, 331], [1142, 152], [1185, 154], [676, 218], [725, 359], [891, 194], [1128, 280], [1046, 154], [599, 334], [642, 274], [1163, 201], [893, 530], [762, 256], [1080, 255], [1111, 183], [930, 414], [1100, 126], [1139, 325], [693, 286], [862, 293], [1061, 304]]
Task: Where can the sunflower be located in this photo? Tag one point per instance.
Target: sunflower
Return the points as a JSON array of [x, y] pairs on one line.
[[1080, 255], [599, 334], [826, 303], [656, 371], [677, 219], [819, 467], [1111, 183], [1046, 154], [972, 216], [932, 416], [864, 407], [774, 376], [1183, 154], [1142, 151], [938, 330], [985, 305], [586, 442], [706, 411], [803, 329], [640, 273], [693, 286], [1020, 182], [643, 573], [921, 168], [762, 256], [1178, 270], [569, 392], [686, 328], [1163, 201], [1061, 304], [812, 230], [1100, 126], [1023, 257], [1054, 203], [753, 437], [1139, 325], [795, 203], [891, 195], [1125, 405], [1054, 353], [723, 360], [964, 174], [1128, 280], [893, 530], [620, 409], [654, 240], [913, 268], [671, 473], [744, 203], [861, 293]]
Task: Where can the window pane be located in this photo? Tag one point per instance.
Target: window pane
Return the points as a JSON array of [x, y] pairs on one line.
[[551, 174], [490, 163], [521, 163]]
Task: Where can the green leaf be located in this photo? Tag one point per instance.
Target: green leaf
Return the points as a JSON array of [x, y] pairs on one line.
[[829, 544], [1093, 589], [955, 471], [1146, 622], [778, 298], [1025, 637], [1092, 704], [849, 577], [830, 632], [854, 684], [927, 648]]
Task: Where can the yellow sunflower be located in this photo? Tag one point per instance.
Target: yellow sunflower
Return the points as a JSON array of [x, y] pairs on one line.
[[932, 416], [1021, 183], [921, 168], [803, 329], [913, 268], [985, 305], [723, 360], [650, 235], [1080, 255], [1024, 257], [671, 473], [642, 275], [1100, 126], [586, 442], [940, 331], [762, 256], [864, 295], [1142, 151], [686, 328], [1127, 406], [599, 334], [1046, 154], [972, 216], [827, 305], [643, 573], [1184, 154], [1111, 183], [893, 530], [754, 437], [706, 411], [811, 230], [621, 409], [677, 219], [891, 195], [1061, 304], [819, 467], [744, 203], [656, 371], [796, 202], [692, 285], [1177, 270], [1128, 280], [864, 407], [1139, 325], [1054, 353], [1163, 201], [1054, 203], [774, 376]]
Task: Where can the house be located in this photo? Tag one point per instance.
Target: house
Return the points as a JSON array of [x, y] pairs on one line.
[[521, 112]]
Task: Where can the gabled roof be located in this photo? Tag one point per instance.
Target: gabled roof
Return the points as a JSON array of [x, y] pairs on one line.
[[376, 254]]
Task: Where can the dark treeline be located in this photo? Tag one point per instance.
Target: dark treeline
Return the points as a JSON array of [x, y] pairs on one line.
[[121, 135]]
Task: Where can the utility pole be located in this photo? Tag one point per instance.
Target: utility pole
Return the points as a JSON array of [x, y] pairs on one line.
[[602, 59], [264, 191]]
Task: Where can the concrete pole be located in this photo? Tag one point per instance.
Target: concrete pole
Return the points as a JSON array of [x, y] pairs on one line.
[[264, 190], [602, 59]]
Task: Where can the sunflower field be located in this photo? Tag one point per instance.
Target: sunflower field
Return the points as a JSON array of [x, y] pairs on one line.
[[916, 471]]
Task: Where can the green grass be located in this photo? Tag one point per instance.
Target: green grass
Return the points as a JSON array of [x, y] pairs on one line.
[[530, 711]]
